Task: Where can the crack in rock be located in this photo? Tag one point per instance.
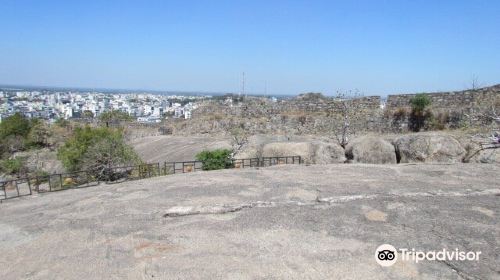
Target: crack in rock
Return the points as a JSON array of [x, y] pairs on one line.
[[179, 211], [460, 272], [336, 199]]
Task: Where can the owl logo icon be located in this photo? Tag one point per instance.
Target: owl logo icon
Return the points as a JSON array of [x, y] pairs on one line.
[[386, 255]]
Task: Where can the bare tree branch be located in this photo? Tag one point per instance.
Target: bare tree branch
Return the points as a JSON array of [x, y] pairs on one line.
[[239, 139], [348, 111]]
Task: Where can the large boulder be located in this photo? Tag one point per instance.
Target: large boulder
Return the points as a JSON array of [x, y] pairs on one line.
[[428, 148], [317, 152], [370, 149], [325, 153], [478, 155]]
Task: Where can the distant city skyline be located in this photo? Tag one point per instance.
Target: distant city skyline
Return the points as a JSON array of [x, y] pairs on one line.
[[284, 47]]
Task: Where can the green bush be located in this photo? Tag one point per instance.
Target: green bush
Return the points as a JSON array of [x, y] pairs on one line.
[[419, 115], [39, 134], [216, 159], [13, 166], [18, 133], [96, 149], [114, 117], [420, 102], [41, 174], [15, 125]]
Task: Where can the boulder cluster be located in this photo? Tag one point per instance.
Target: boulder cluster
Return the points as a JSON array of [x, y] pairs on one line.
[[410, 148]]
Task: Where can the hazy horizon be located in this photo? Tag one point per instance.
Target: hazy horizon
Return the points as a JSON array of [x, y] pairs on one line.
[[284, 47]]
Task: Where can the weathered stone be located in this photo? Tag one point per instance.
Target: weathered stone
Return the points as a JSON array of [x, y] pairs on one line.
[[476, 154], [310, 152], [371, 149], [328, 153], [487, 156], [258, 224], [428, 148]]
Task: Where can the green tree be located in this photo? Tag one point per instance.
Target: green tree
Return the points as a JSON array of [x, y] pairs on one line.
[[13, 133], [15, 125], [96, 149], [88, 114], [216, 159], [114, 116], [39, 134], [419, 112], [107, 153]]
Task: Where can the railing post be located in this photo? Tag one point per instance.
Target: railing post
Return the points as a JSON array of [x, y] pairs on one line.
[[17, 188], [60, 181], [29, 185], [37, 184]]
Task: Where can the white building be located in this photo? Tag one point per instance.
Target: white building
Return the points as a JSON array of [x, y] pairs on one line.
[[157, 111], [179, 111], [148, 110]]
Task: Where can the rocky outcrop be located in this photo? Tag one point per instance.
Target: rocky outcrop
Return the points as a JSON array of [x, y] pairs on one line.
[[476, 154], [371, 149], [428, 148], [317, 152], [41, 160], [487, 156]]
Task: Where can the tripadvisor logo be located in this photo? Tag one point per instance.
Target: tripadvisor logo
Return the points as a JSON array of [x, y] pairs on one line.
[[387, 255]]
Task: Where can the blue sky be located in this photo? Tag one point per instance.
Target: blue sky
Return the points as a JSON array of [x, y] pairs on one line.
[[377, 47]]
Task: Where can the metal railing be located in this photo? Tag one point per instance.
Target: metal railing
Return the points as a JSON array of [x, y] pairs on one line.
[[81, 179]]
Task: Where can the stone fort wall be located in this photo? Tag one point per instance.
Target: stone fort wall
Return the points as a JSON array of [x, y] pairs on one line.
[[455, 100], [314, 114], [451, 101]]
